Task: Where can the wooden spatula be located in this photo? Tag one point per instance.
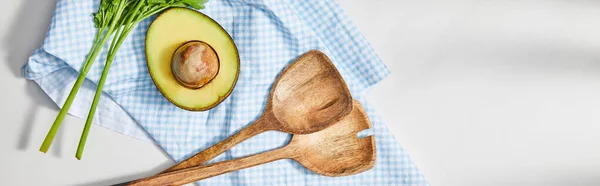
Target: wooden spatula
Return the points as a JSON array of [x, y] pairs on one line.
[[308, 96], [334, 151]]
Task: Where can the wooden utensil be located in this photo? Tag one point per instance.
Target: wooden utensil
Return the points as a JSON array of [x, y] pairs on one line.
[[308, 96], [334, 151]]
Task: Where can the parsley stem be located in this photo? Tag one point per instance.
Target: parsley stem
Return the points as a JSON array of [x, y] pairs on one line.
[[65, 108], [94, 51], [118, 39]]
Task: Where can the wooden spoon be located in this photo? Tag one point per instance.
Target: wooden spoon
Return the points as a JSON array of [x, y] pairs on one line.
[[334, 151], [308, 96]]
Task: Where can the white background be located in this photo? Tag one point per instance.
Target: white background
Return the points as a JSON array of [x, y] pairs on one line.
[[483, 92]]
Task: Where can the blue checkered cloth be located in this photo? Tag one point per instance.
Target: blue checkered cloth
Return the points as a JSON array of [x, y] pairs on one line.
[[269, 35]]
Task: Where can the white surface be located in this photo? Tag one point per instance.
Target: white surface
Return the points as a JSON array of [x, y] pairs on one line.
[[483, 92]]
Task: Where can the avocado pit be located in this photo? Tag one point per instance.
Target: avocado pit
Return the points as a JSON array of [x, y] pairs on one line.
[[195, 64]]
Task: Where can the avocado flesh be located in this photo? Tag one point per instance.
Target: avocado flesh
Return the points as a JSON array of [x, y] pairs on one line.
[[175, 27]]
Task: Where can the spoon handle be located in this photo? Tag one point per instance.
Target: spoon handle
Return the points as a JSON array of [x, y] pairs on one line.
[[261, 125], [192, 174]]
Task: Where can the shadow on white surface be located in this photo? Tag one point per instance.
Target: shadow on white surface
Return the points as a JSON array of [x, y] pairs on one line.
[[27, 32], [490, 92], [40, 99], [130, 177]]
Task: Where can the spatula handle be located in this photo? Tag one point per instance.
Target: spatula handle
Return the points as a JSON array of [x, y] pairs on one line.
[[261, 125], [192, 174]]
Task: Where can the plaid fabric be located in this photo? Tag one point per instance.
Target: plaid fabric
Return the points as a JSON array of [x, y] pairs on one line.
[[269, 35]]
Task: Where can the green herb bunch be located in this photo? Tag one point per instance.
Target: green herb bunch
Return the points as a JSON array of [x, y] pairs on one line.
[[116, 19]]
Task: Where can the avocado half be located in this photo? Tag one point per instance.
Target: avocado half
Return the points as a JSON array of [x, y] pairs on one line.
[[173, 31]]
